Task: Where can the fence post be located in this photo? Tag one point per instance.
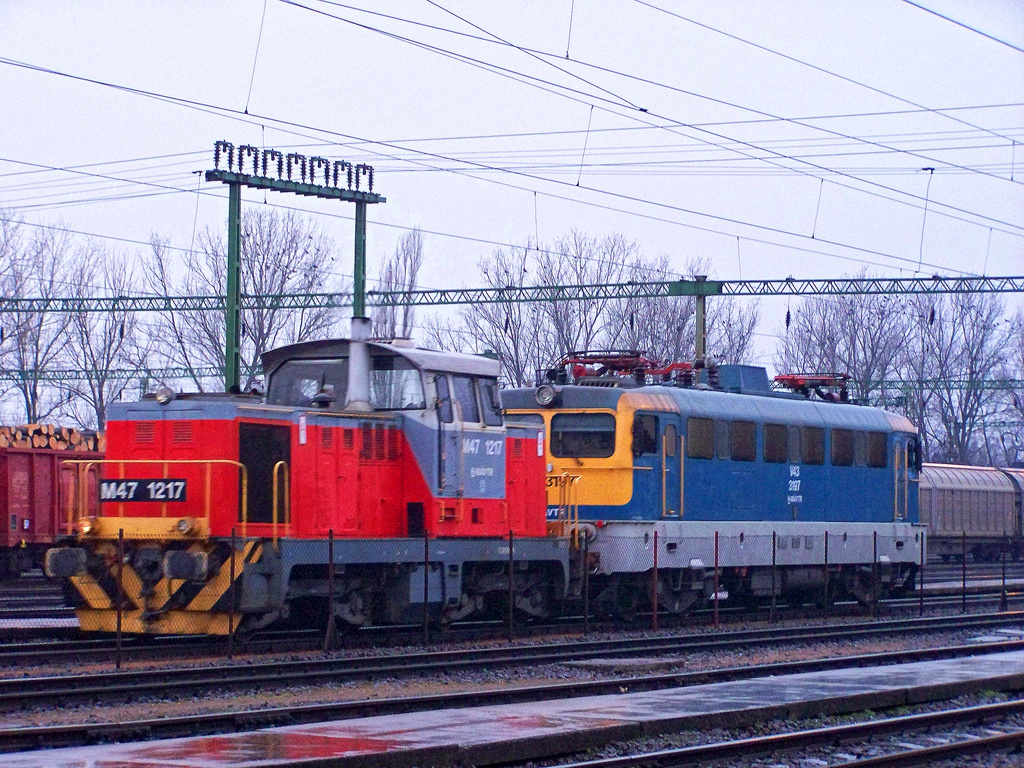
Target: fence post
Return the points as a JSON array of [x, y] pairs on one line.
[[426, 587], [716, 579], [771, 613], [1002, 599], [586, 585], [874, 573], [120, 592], [654, 593], [331, 628], [231, 598], [920, 581], [511, 586], [963, 572], [826, 600]]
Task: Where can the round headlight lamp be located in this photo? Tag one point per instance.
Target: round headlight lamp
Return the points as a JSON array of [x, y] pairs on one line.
[[86, 526], [164, 395], [185, 526], [545, 395]]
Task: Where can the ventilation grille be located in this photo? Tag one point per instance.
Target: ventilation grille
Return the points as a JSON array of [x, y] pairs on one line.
[[392, 444], [327, 437], [378, 443], [181, 432], [366, 453], [145, 432], [348, 439], [517, 448]]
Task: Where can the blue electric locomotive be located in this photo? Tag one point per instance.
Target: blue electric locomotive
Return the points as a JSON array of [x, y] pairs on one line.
[[781, 492]]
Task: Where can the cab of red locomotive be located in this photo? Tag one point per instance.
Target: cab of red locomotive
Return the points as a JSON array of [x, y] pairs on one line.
[[426, 453]]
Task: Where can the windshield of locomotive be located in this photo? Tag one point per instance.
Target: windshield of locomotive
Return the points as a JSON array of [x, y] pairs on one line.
[[298, 381], [395, 385]]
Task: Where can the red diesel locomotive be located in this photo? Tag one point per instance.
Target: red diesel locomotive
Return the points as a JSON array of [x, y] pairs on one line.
[[380, 443]]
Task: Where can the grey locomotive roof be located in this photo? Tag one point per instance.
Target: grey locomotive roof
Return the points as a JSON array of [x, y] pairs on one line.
[[727, 405], [454, 362], [714, 404]]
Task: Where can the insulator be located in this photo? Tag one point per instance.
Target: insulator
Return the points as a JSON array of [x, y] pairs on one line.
[[369, 177], [122, 331], [788, 318], [931, 316]]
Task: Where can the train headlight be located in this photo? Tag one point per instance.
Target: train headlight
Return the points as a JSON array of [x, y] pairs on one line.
[[185, 526], [86, 526], [545, 395], [164, 395]]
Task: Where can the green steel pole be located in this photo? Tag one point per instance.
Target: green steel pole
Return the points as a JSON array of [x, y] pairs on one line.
[[700, 329], [359, 273], [233, 304]]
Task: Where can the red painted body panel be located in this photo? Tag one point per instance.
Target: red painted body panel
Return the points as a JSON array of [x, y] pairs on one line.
[[356, 478]]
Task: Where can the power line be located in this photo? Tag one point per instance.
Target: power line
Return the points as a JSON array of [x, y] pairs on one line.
[[966, 26]]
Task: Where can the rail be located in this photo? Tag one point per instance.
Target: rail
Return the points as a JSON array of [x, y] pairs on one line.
[[84, 466]]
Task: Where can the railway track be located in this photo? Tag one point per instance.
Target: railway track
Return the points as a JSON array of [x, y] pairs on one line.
[[22, 738], [969, 731], [18, 692]]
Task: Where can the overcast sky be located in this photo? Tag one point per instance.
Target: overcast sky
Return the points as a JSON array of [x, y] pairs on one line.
[[732, 131]]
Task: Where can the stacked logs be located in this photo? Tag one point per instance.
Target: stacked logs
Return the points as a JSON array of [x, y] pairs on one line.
[[52, 437]]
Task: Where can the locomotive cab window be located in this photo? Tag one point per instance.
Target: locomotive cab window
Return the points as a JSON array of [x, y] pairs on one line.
[[465, 396], [445, 411], [814, 445], [490, 402], [582, 435], [842, 448], [776, 450], [878, 450], [700, 438], [914, 458], [297, 382], [395, 385], [743, 441], [645, 435]]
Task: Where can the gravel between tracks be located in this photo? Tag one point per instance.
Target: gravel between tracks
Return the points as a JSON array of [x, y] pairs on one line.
[[422, 684]]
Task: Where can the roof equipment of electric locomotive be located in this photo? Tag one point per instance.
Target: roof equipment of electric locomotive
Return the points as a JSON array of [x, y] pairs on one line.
[[616, 368], [829, 387]]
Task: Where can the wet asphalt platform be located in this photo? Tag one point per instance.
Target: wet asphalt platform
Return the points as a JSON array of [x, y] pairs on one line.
[[484, 735]]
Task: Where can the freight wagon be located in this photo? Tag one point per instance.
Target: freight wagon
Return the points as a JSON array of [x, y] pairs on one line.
[[35, 489], [981, 505]]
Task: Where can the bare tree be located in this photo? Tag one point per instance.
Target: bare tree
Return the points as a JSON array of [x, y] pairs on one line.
[[862, 336], [731, 327], [660, 327], [399, 273], [38, 267], [102, 342], [579, 260], [514, 329], [280, 254], [966, 344]]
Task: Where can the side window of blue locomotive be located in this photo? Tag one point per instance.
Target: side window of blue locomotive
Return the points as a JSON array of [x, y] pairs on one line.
[[645, 435], [743, 441], [814, 445], [860, 448], [465, 396], [445, 411], [489, 402], [795, 446], [722, 447], [700, 438], [878, 450], [775, 444], [842, 448]]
